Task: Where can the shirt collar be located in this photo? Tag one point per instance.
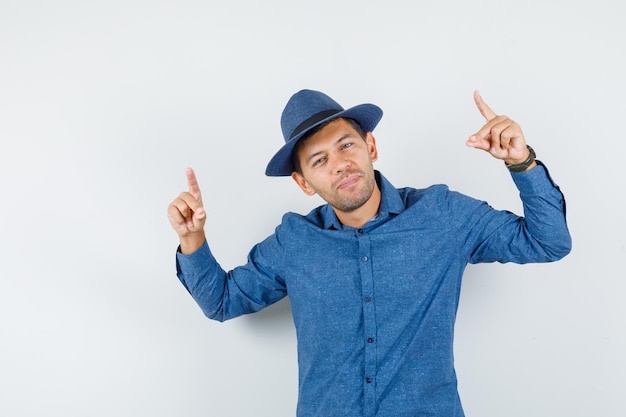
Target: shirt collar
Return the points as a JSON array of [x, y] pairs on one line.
[[391, 204]]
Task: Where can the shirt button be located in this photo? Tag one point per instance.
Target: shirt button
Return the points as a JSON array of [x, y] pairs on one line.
[[370, 340], [365, 258], [368, 299], [368, 380], [360, 231]]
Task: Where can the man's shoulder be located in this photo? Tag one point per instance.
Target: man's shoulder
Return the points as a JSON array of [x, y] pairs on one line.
[[409, 195], [412, 195], [314, 217]]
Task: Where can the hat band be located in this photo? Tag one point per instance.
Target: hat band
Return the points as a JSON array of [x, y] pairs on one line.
[[311, 121]]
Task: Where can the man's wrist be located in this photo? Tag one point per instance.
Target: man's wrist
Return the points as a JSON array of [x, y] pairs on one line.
[[191, 242], [526, 164]]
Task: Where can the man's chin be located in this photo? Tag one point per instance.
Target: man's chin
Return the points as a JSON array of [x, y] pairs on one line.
[[350, 205]]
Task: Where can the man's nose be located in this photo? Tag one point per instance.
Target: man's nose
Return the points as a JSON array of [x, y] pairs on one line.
[[340, 165]]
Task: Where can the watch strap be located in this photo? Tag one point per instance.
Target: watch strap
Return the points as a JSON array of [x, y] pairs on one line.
[[523, 166]]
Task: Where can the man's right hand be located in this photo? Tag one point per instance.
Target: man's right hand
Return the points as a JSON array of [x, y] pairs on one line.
[[187, 216]]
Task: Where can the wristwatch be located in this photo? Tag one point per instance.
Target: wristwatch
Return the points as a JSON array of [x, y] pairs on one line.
[[524, 165]]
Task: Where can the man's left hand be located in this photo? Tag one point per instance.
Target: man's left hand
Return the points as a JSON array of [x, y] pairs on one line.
[[500, 136]]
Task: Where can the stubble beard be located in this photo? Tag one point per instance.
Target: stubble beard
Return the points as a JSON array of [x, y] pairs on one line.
[[347, 202]]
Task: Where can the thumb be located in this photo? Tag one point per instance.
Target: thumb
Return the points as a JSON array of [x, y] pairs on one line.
[[476, 142], [199, 214], [196, 222]]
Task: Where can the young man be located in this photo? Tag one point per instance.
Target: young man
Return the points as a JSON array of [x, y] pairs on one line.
[[374, 275]]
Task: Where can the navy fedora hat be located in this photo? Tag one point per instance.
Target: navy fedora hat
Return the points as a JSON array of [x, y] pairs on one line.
[[307, 109]]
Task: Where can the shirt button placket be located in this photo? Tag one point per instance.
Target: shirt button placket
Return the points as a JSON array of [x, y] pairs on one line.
[[369, 322]]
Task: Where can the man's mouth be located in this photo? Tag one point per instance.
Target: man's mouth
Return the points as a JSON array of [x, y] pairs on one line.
[[348, 182]]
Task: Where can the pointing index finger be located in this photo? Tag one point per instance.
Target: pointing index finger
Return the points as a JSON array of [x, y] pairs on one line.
[[192, 182], [484, 109]]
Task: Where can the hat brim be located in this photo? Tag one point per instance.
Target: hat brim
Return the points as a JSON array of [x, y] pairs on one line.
[[367, 116]]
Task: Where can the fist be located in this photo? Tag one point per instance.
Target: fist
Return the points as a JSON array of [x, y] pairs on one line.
[[500, 136], [186, 213]]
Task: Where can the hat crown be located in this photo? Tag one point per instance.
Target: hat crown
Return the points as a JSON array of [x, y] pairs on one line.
[[305, 108]]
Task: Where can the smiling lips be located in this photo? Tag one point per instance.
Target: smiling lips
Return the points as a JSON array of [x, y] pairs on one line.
[[349, 182]]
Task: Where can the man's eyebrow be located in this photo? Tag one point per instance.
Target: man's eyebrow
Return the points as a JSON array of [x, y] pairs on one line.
[[339, 140]]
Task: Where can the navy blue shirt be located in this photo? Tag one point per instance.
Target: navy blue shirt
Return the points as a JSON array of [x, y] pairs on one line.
[[374, 308]]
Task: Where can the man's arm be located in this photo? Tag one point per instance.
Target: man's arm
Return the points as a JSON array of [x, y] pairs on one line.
[[220, 294], [542, 234]]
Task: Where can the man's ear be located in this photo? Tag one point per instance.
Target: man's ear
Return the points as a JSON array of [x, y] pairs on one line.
[[370, 140], [302, 183]]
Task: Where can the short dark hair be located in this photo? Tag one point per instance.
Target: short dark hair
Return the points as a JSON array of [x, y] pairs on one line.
[[295, 160]]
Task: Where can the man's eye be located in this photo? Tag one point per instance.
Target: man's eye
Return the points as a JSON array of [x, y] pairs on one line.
[[346, 145], [319, 161]]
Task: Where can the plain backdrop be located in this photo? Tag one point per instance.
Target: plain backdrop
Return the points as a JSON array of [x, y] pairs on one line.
[[104, 104]]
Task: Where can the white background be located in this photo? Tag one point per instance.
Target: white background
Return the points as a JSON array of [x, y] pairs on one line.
[[104, 104]]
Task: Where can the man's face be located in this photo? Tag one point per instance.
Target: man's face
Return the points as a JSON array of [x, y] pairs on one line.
[[337, 164]]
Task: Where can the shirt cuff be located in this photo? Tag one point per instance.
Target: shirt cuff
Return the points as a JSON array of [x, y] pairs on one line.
[[193, 263], [536, 181]]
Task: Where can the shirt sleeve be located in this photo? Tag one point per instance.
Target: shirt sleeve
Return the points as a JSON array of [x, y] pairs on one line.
[[223, 295], [541, 235]]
